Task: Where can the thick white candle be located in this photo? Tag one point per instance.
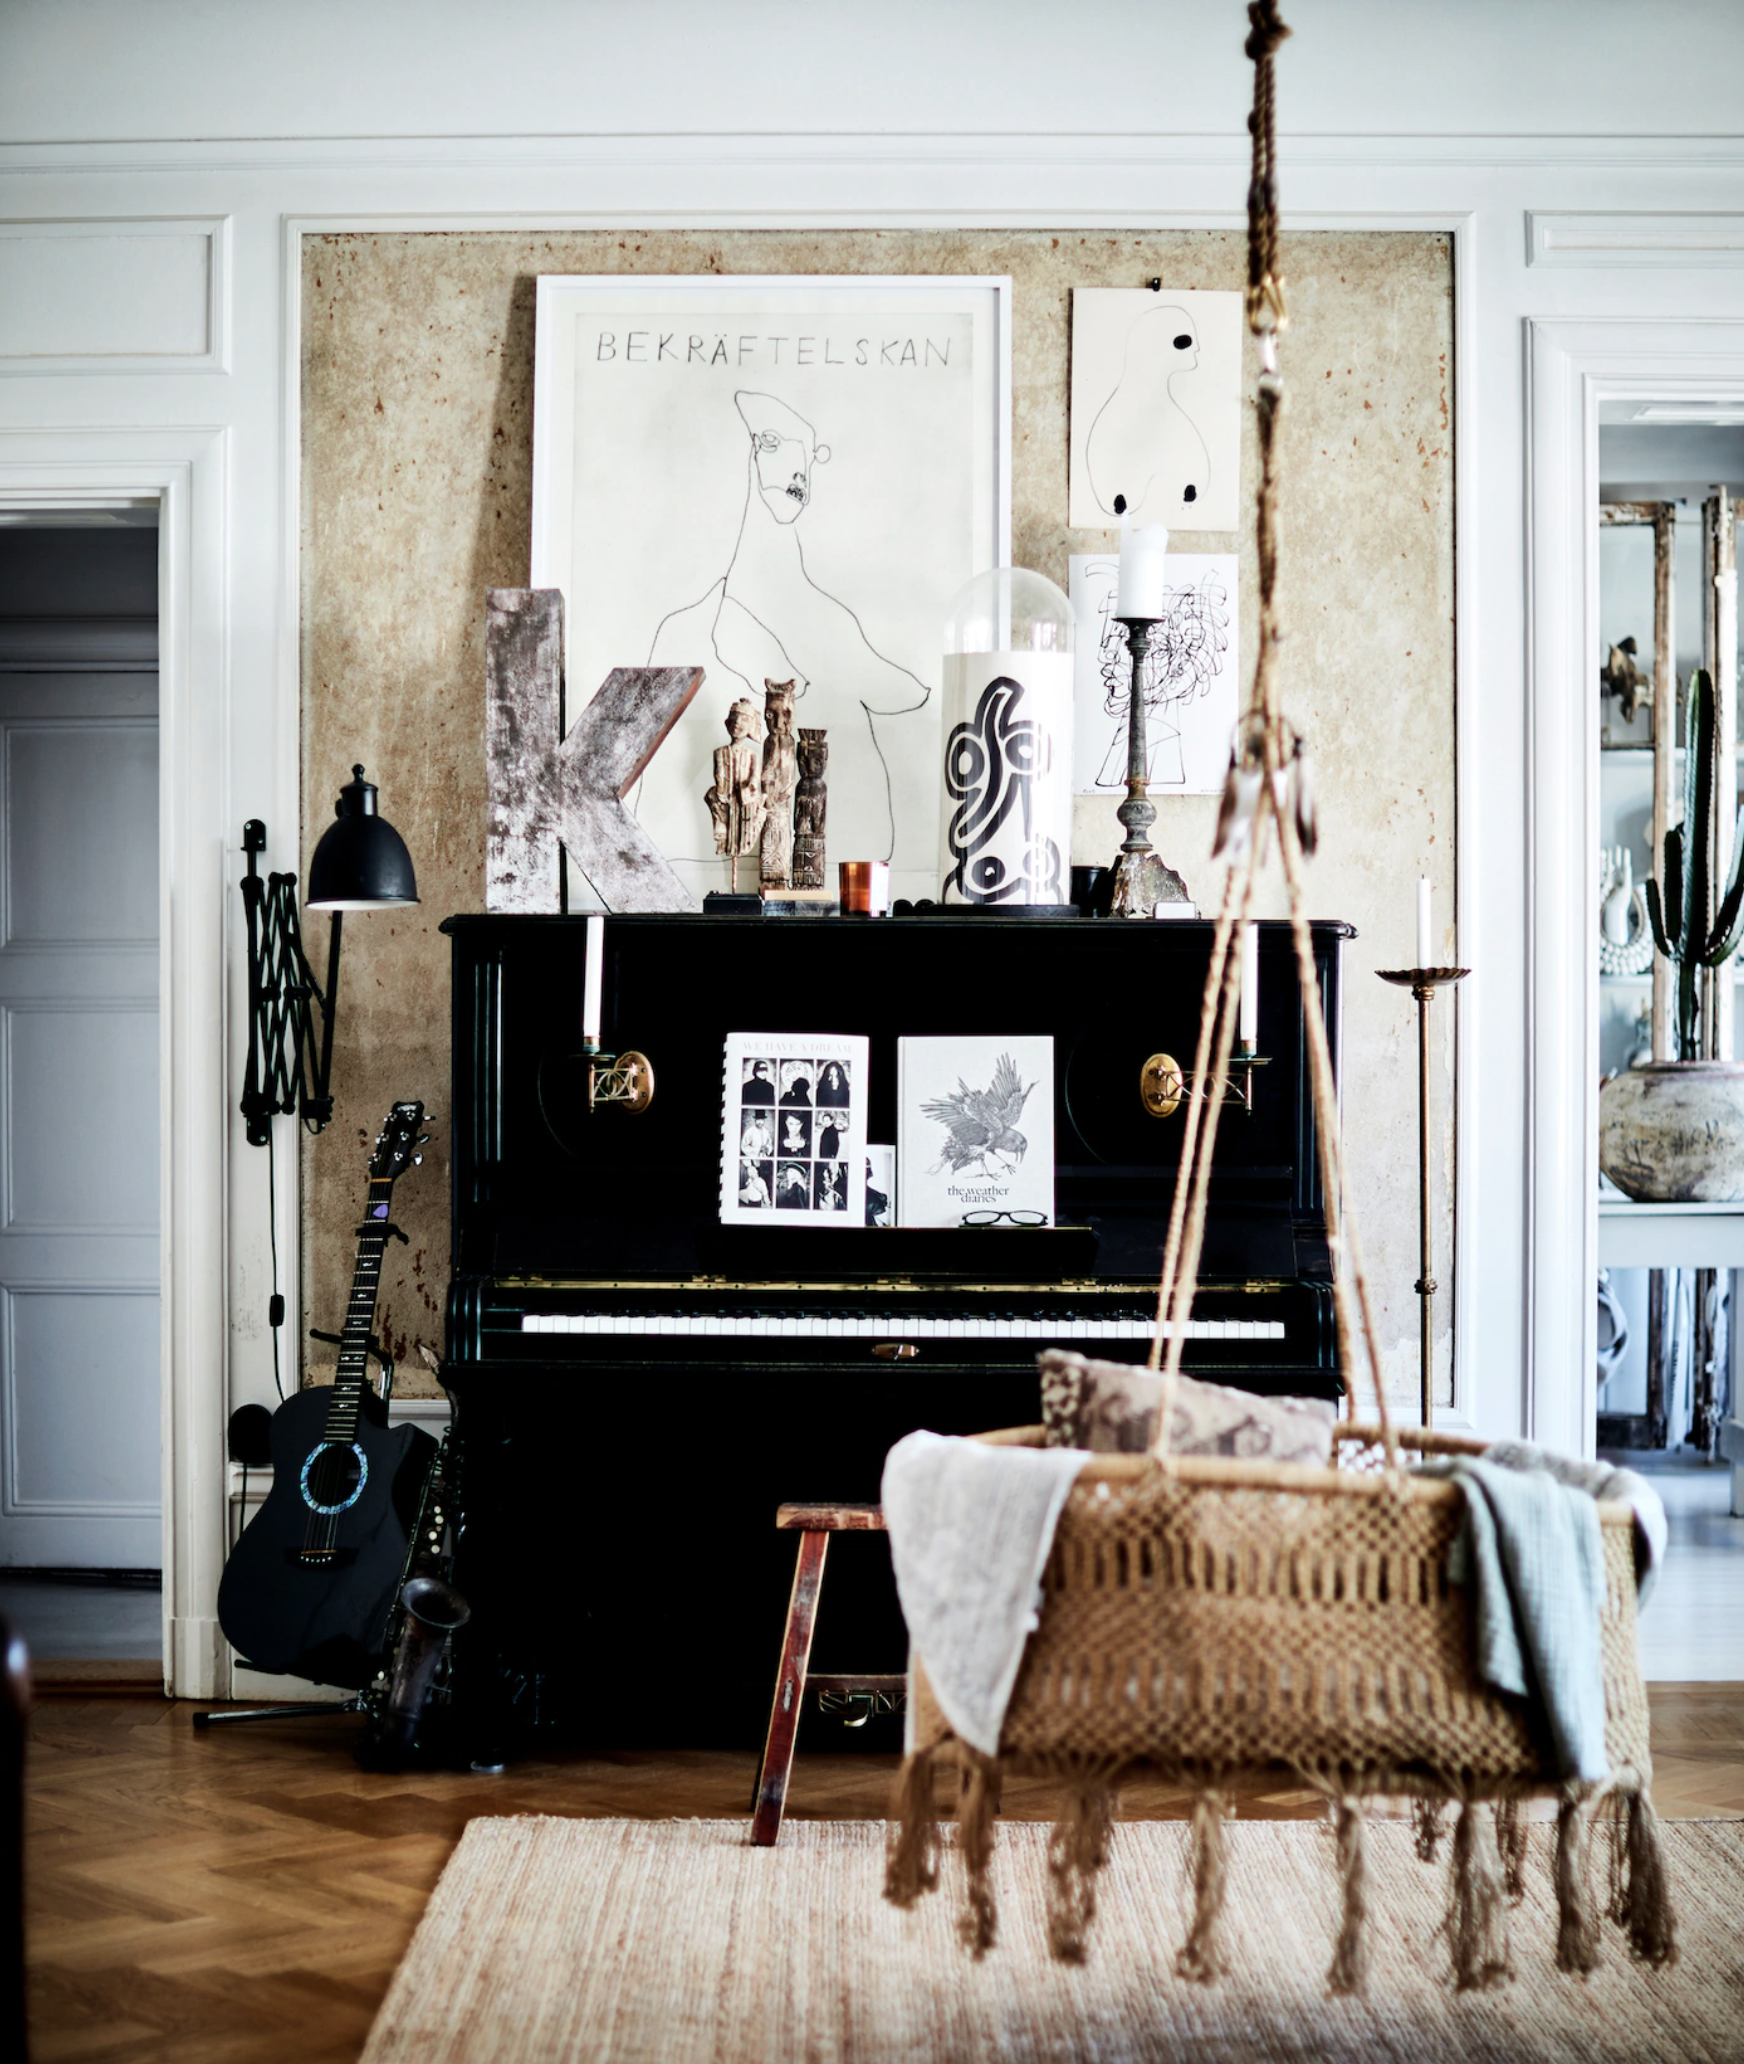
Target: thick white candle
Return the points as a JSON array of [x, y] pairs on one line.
[[593, 981], [1424, 934], [1144, 571], [1250, 985]]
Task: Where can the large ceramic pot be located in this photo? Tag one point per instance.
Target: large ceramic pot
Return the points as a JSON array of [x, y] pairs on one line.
[[1672, 1132]]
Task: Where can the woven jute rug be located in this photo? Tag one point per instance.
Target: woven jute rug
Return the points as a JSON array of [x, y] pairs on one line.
[[673, 1941]]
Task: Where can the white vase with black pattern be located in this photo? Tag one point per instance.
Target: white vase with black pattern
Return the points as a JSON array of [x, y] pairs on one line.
[[1007, 808]]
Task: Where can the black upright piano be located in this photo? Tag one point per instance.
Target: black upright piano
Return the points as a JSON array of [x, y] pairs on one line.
[[637, 1387]]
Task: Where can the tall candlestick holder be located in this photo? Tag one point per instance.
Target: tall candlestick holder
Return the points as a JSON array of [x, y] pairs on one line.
[[1423, 983], [1142, 878]]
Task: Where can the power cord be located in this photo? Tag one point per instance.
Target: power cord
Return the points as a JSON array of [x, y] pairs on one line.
[[275, 1305]]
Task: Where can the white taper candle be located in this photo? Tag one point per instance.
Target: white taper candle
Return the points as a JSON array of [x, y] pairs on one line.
[[593, 981], [1250, 985], [1142, 590], [1425, 935]]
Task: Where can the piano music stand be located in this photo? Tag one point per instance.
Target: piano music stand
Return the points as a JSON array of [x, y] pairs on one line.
[[814, 1524]]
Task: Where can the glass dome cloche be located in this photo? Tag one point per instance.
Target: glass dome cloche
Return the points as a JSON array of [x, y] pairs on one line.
[[1007, 826]]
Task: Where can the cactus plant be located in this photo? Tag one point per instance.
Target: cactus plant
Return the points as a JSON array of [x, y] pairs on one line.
[[1678, 910]]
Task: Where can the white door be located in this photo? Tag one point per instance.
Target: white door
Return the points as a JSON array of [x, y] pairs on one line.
[[79, 1441]]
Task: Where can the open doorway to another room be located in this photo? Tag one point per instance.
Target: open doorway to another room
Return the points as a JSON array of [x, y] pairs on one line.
[[1669, 1278], [80, 1525]]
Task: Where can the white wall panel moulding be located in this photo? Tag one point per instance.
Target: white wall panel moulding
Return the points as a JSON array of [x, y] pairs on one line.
[[137, 294], [787, 148], [1683, 241]]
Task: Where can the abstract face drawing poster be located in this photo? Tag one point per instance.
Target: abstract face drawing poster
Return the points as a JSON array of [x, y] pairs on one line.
[[775, 479], [1156, 408], [1192, 681]]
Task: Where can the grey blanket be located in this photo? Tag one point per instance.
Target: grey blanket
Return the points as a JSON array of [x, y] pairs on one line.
[[1534, 1555], [971, 1528]]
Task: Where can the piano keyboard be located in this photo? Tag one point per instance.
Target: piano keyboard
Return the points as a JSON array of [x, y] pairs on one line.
[[886, 1326]]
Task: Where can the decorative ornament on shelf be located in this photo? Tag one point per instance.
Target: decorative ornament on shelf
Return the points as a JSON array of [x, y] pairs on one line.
[[1625, 932], [810, 805], [735, 802], [1008, 743], [1622, 678], [778, 783]]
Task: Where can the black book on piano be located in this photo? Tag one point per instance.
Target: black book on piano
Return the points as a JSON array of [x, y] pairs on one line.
[[638, 1387]]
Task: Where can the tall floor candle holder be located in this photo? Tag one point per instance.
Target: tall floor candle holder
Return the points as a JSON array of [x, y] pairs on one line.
[[1423, 983]]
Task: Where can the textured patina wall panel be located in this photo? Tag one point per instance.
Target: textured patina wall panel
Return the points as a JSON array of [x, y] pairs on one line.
[[417, 466]]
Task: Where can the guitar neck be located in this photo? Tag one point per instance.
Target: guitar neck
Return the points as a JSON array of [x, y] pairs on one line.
[[353, 1377]]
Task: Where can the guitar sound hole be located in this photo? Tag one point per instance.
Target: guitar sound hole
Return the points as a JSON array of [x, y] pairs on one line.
[[334, 1475]]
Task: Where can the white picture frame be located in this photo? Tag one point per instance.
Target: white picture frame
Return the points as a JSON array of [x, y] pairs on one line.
[[1155, 430], [1192, 676], [793, 475]]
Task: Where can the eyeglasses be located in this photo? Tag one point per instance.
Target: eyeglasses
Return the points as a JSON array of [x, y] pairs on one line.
[[986, 1218]]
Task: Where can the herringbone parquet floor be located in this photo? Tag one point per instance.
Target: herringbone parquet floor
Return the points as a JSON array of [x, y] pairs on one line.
[[240, 1897]]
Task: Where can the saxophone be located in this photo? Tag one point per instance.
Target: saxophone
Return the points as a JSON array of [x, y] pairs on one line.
[[404, 1703]]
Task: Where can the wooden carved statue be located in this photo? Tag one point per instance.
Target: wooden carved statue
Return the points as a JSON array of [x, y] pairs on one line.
[[778, 781], [736, 801], [810, 802]]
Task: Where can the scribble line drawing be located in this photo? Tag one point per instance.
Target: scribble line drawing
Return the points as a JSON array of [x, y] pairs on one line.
[[1184, 660], [1142, 438], [767, 588]]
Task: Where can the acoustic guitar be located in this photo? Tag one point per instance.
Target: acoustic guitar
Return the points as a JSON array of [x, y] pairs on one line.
[[310, 1587]]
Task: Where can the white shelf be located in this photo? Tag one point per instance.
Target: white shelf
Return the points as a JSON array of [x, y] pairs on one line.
[[1642, 755], [1670, 1235], [1645, 981]]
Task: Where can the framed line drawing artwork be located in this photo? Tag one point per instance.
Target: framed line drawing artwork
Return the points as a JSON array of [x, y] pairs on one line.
[[775, 478], [1155, 433], [1192, 677]]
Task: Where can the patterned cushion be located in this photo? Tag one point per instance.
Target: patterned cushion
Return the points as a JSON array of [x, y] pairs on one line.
[[1112, 1409]]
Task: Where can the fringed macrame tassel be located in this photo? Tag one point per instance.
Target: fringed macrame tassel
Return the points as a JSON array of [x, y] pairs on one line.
[[978, 1923], [1426, 1828], [911, 1860], [1641, 1900], [1477, 1915], [1077, 1850], [1577, 1928], [1350, 1960], [1511, 1848], [1201, 1955]]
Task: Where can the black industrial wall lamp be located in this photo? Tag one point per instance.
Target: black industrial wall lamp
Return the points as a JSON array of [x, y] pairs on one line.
[[361, 863]]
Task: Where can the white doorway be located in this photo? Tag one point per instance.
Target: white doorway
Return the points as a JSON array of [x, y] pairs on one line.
[[80, 1317]]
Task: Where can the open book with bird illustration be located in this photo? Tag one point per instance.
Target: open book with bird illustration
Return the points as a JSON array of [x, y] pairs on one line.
[[975, 1131]]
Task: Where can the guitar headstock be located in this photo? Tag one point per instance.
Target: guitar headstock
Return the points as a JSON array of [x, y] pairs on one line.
[[394, 1143]]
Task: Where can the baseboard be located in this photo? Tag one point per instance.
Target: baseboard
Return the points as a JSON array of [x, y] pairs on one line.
[[256, 1688], [97, 1677]]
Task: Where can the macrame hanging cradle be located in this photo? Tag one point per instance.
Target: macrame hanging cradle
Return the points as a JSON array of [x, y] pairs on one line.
[[1206, 1618]]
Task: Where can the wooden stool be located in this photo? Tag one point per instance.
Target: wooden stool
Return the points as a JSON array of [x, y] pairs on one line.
[[814, 1524]]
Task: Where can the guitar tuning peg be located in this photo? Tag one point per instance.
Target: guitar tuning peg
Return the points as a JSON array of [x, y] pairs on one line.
[[423, 1139], [417, 1160]]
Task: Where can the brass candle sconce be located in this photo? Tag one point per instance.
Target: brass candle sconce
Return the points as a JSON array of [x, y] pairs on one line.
[[625, 1079], [1164, 1085]]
